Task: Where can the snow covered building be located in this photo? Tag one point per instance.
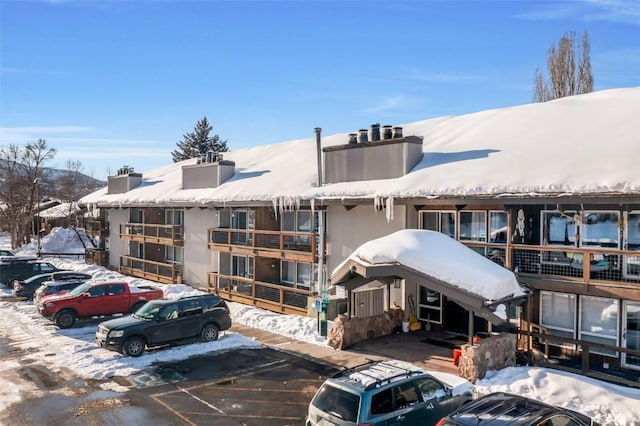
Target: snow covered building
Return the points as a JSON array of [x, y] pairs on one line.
[[550, 191]]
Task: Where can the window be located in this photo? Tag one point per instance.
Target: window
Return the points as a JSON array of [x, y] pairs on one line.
[[600, 229], [429, 305], [242, 219], [558, 314], [599, 322], [174, 217], [632, 242], [242, 266], [405, 394], [136, 249], [382, 402], [441, 221], [97, 291], [473, 226], [558, 228], [298, 274], [174, 254], [430, 388], [497, 227], [115, 289], [297, 221]]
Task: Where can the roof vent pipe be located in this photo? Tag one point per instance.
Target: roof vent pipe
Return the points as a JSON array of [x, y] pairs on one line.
[[375, 132], [397, 132], [387, 133], [362, 136], [353, 138], [210, 156], [318, 130]]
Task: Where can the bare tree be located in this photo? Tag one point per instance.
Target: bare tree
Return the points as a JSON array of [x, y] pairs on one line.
[[569, 71], [22, 188]]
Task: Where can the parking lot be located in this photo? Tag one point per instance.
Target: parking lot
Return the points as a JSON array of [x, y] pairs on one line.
[[243, 387]]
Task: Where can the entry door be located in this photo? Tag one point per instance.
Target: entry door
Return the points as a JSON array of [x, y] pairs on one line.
[[631, 333]]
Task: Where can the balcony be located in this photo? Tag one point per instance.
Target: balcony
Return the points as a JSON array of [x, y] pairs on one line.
[[603, 266], [298, 246], [168, 235], [273, 297], [166, 273]]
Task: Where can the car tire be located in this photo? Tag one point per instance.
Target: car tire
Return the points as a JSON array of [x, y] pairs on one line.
[[134, 346], [65, 319], [14, 284], [209, 333]]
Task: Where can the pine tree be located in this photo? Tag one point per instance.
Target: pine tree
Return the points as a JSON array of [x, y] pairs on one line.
[[198, 143], [569, 72]]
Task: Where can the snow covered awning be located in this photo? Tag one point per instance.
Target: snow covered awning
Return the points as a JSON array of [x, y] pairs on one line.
[[437, 262]]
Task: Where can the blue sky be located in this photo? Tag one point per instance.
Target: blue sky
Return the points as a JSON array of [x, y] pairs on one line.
[[111, 83]]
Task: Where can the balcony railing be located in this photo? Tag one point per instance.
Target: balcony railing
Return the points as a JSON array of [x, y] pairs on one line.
[[606, 265], [287, 245], [167, 273], [580, 356], [274, 297], [172, 235]]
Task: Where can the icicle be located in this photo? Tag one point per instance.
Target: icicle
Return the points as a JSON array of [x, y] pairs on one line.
[[274, 201], [312, 203], [389, 209]]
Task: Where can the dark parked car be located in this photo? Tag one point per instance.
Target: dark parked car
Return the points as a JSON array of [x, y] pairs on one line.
[[385, 393], [162, 322], [16, 269], [54, 287], [501, 409], [26, 288]]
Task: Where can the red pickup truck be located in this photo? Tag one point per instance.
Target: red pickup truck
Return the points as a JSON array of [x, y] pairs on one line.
[[95, 298]]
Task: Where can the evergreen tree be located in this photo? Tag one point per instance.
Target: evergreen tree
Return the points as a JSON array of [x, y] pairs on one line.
[[198, 143]]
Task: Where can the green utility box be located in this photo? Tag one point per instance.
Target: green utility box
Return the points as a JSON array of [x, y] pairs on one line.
[[332, 307]]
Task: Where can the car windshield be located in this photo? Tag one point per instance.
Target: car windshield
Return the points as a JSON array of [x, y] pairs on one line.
[[148, 311], [80, 289]]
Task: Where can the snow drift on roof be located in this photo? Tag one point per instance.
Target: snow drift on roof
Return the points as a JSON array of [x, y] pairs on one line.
[[585, 144], [439, 256]]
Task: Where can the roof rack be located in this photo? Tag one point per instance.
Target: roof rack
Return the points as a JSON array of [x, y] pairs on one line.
[[374, 373]]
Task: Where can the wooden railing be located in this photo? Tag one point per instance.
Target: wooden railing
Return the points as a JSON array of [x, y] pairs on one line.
[[167, 273], [273, 297], [602, 265], [578, 356], [172, 235], [300, 246]]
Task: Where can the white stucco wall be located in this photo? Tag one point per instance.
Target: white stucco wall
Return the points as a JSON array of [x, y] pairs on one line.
[[348, 229], [198, 259], [117, 247]]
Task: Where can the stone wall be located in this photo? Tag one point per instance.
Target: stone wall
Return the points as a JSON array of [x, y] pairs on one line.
[[493, 353], [349, 331]]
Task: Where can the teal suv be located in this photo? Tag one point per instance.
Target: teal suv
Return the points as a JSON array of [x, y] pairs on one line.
[[385, 393]]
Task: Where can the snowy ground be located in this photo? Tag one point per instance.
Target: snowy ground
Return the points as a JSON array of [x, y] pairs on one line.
[[75, 349]]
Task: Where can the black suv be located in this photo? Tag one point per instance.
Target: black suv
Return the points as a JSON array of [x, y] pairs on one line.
[[500, 409], [16, 269], [26, 288], [162, 322]]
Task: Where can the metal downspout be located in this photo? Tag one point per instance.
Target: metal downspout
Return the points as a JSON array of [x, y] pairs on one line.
[[321, 281]]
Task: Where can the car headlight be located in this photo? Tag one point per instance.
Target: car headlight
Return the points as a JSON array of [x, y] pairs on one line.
[[116, 333]]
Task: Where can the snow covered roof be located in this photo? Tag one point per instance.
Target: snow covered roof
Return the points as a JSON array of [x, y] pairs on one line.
[[580, 145], [442, 263]]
